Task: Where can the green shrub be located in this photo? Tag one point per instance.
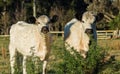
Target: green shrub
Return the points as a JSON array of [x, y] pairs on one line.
[[75, 64], [62, 62], [114, 24]]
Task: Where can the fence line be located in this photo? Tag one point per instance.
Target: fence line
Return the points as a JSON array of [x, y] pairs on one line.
[[57, 32], [101, 34], [4, 35], [105, 34]]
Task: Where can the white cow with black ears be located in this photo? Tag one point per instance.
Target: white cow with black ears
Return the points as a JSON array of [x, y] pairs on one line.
[[75, 34], [27, 37]]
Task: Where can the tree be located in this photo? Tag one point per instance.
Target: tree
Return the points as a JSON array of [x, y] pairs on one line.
[[16, 10]]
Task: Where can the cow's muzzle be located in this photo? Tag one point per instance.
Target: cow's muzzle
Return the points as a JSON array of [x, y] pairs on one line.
[[45, 29]]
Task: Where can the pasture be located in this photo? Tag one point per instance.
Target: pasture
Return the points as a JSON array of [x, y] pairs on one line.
[[104, 60]]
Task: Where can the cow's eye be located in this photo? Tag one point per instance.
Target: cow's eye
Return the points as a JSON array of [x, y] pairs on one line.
[[37, 22]]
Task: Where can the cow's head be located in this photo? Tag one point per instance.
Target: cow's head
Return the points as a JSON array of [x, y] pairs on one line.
[[88, 21], [43, 22]]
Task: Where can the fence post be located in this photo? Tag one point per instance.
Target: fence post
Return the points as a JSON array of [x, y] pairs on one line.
[[3, 52]]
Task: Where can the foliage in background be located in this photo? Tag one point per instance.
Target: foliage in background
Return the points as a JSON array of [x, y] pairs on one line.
[[65, 9], [115, 23]]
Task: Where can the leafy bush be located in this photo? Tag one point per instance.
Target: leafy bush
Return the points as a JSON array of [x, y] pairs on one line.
[[74, 64], [62, 62]]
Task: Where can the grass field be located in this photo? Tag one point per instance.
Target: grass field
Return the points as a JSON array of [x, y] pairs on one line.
[[57, 61], [112, 46]]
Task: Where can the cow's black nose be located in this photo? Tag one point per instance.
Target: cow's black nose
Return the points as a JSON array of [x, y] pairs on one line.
[[89, 31], [44, 29]]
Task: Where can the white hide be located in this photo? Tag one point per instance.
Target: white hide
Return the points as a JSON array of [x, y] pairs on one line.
[[27, 39], [75, 36]]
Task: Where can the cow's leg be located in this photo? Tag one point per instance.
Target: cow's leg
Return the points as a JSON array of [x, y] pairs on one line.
[[84, 52], [24, 64], [12, 57], [83, 55], [44, 66]]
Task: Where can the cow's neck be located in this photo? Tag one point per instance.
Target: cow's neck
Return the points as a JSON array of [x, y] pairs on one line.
[[46, 45], [46, 40]]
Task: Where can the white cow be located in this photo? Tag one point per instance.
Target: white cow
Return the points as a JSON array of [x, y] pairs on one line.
[[75, 36], [28, 39]]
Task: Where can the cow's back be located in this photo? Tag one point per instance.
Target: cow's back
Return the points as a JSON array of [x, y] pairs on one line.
[[77, 38], [25, 36]]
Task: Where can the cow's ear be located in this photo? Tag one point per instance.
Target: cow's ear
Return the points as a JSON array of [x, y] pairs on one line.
[[99, 17], [27, 1], [54, 19], [79, 15], [31, 20]]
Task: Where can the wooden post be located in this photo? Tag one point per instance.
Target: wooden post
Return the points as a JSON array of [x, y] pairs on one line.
[[4, 16], [34, 8], [3, 52]]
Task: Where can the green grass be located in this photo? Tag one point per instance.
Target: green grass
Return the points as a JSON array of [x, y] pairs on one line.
[[4, 55], [62, 62]]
